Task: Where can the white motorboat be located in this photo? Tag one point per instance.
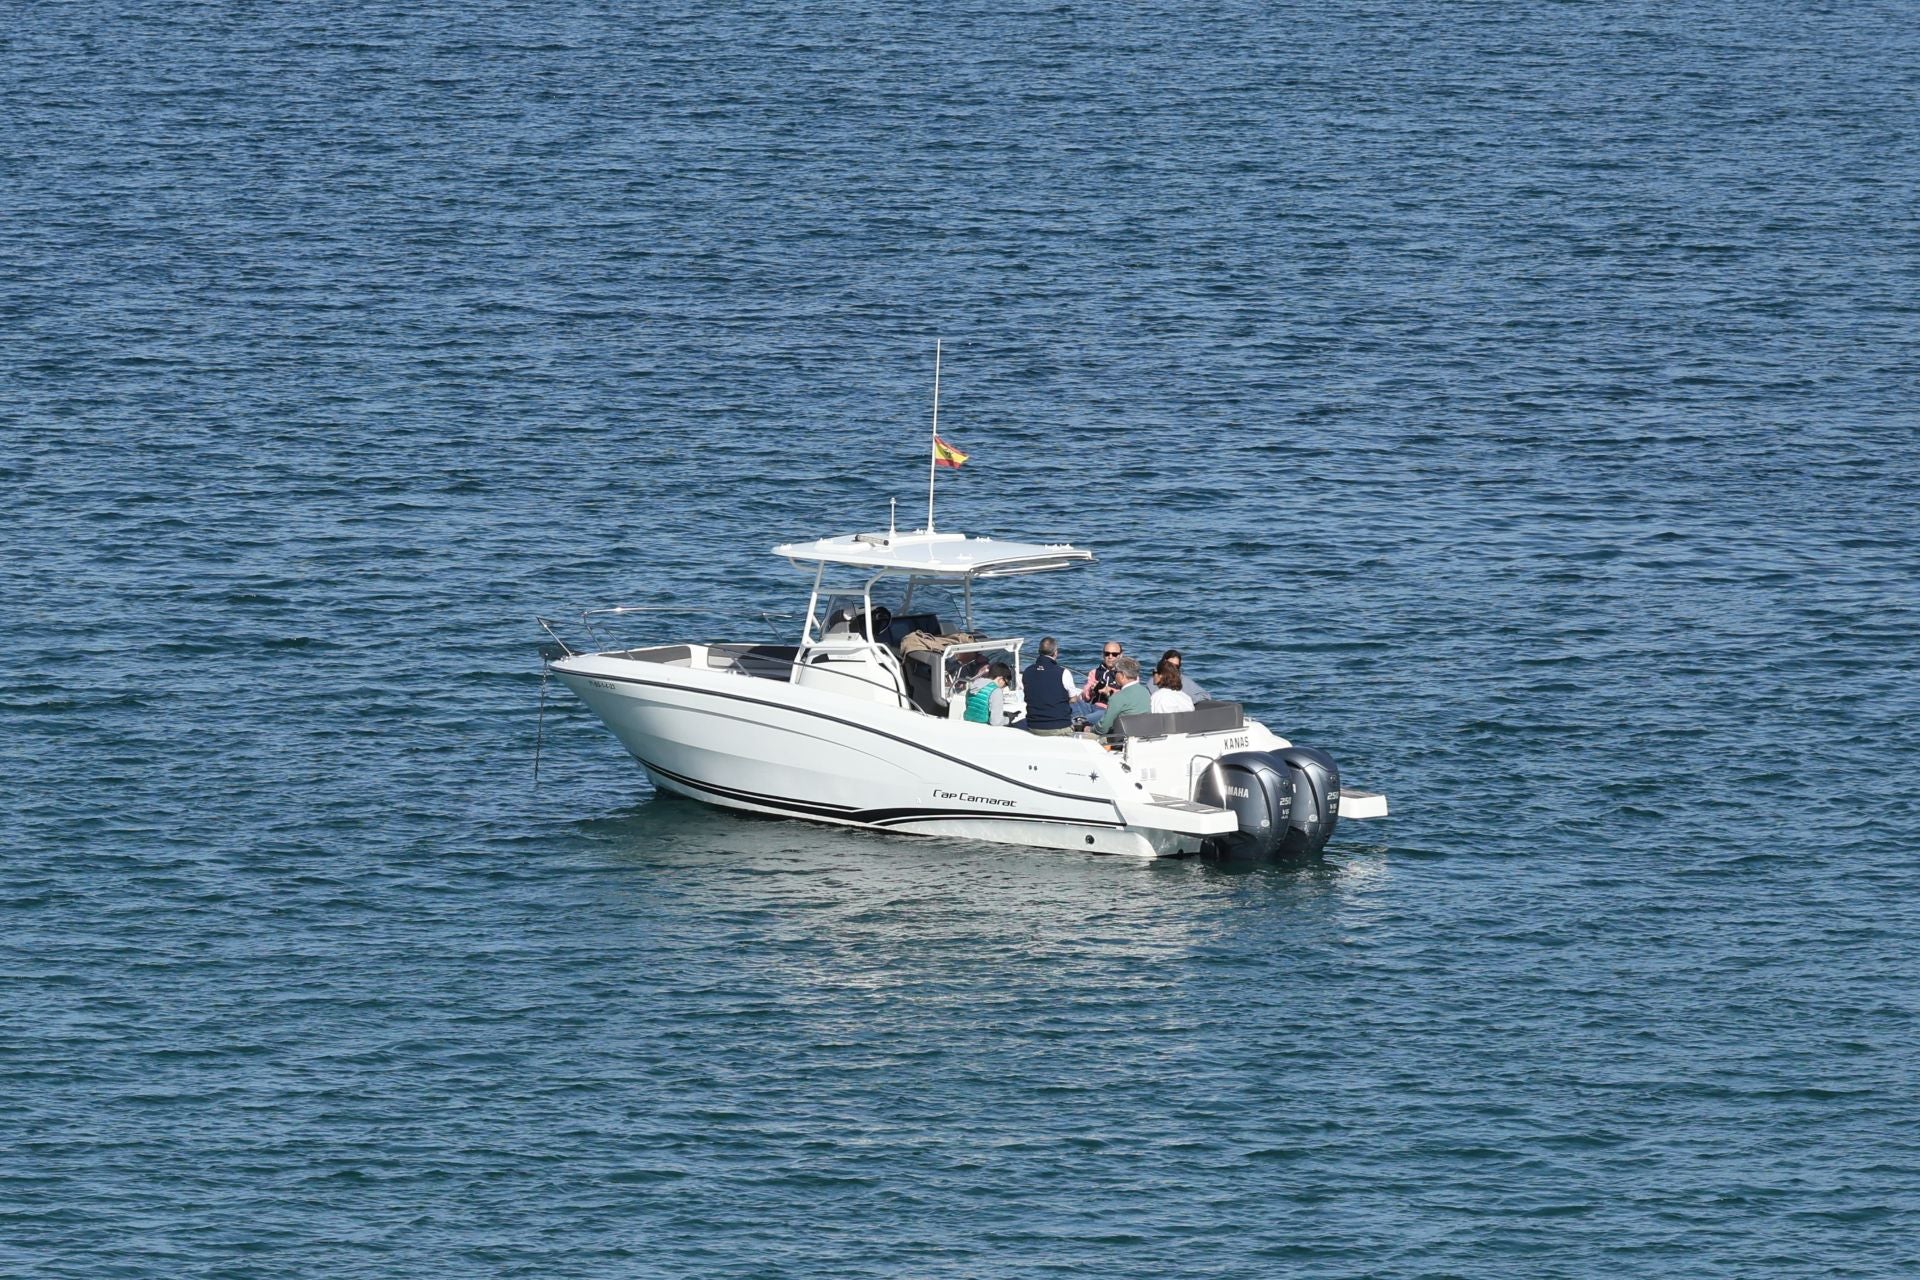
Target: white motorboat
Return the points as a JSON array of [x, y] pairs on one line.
[[862, 722]]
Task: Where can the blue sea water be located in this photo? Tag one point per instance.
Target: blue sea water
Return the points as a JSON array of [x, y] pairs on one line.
[[1518, 400]]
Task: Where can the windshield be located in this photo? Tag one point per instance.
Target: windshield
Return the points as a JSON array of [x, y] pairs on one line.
[[965, 663], [936, 606], [922, 596]]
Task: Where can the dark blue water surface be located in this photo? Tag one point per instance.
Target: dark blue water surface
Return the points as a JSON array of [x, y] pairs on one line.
[[1518, 400]]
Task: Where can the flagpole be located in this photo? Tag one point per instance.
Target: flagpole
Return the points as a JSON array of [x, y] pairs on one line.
[[933, 445]]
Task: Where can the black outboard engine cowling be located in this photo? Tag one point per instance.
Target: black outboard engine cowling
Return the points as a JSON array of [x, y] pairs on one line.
[[1287, 801], [1257, 788], [1316, 799]]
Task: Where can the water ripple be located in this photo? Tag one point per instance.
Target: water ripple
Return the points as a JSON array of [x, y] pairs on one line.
[[1516, 401]]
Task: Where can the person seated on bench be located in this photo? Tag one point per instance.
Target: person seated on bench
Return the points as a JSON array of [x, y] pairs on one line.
[[1050, 689], [986, 697], [1101, 682], [1167, 694], [1187, 683], [1132, 696]]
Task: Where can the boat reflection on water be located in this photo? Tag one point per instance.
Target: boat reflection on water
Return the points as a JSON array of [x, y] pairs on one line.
[[670, 829], [806, 895]]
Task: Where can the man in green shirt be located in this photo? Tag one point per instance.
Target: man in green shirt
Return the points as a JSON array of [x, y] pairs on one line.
[[1132, 699]]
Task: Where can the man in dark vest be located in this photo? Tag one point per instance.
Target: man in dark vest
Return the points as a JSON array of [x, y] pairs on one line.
[[1049, 705]]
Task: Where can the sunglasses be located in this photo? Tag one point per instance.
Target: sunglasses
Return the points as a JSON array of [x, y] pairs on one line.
[[1111, 653]]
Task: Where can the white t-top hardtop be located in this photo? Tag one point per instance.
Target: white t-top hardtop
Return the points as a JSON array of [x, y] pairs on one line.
[[935, 555]]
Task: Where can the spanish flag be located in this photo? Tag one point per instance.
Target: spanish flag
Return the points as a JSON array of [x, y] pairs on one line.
[[945, 455]]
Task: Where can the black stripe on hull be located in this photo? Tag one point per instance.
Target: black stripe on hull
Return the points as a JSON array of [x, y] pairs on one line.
[[863, 817]]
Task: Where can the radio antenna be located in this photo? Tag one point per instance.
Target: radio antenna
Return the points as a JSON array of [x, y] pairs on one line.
[[933, 445]]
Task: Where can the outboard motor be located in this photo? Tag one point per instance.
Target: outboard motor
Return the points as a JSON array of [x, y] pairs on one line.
[[1287, 801], [1316, 799], [1257, 788]]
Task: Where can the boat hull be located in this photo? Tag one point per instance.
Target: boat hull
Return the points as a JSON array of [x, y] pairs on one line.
[[764, 746]]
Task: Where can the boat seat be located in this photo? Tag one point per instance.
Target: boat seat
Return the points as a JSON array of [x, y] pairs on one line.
[[922, 683], [675, 655], [768, 661], [853, 622], [1218, 715], [1206, 717]]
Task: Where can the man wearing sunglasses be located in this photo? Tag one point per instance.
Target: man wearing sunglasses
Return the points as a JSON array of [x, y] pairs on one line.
[[1103, 681]]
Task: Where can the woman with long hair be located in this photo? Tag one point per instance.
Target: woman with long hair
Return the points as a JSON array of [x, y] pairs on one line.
[[1167, 693]]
